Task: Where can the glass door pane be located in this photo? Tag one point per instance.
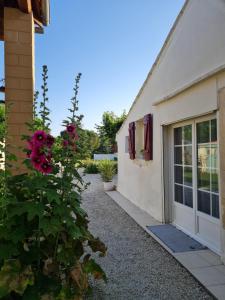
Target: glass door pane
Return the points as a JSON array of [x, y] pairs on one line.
[[207, 164], [183, 168]]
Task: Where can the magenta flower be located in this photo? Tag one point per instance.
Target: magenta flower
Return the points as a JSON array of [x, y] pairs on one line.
[[39, 137], [36, 160], [70, 128], [45, 167], [50, 140], [65, 143]]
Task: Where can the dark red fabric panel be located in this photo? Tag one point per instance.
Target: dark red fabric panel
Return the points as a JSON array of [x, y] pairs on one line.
[[132, 140], [148, 137]]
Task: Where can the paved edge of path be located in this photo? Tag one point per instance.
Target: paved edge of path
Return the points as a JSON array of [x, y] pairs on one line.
[[197, 263]]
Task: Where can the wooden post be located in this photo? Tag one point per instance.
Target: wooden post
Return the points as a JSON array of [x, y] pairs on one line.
[[19, 79]]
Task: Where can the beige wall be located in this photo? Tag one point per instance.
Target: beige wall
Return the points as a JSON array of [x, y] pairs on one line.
[[195, 49], [19, 76], [141, 181]]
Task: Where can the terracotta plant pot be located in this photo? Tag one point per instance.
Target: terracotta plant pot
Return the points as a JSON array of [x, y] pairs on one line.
[[108, 186]]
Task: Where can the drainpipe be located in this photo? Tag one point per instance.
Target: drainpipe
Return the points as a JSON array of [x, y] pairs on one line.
[[45, 7]]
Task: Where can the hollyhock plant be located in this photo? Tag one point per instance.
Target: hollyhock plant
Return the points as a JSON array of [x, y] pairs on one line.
[[65, 143], [70, 128], [46, 248], [39, 151], [36, 160], [45, 167], [50, 140], [39, 136]]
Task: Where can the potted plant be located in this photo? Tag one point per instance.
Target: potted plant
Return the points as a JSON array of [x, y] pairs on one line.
[[107, 171]]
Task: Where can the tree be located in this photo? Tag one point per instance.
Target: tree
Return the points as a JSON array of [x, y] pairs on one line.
[[88, 143], [111, 123]]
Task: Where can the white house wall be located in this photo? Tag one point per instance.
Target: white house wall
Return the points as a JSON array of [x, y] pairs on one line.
[[195, 48], [141, 181]]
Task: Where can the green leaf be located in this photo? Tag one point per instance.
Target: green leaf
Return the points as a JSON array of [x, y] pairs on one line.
[[8, 250], [91, 267], [14, 278]]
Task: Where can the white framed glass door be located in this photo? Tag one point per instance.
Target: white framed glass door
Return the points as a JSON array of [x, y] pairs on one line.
[[195, 180]]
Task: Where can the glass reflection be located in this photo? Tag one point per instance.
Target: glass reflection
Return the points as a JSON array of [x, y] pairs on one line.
[[203, 132], [188, 176], [214, 178], [214, 155], [204, 179], [187, 135], [178, 155], [204, 156], [188, 155], [178, 136], [213, 130]]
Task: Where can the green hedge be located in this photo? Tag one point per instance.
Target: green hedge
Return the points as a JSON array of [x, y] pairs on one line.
[[92, 166]]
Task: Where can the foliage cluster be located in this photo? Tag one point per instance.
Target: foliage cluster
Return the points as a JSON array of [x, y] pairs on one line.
[[46, 247], [90, 166], [107, 131], [93, 166]]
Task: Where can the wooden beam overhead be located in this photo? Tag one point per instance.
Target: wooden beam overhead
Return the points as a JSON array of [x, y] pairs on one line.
[[25, 6]]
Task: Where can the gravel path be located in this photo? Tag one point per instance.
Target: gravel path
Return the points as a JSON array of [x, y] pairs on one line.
[[137, 267]]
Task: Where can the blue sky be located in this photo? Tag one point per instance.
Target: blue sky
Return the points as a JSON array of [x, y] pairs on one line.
[[113, 43]]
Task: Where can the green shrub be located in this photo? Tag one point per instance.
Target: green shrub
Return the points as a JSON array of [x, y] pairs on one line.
[[90, 167], [107, 170]]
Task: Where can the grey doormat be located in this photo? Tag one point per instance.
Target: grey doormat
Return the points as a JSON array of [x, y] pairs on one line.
[[175, 239]]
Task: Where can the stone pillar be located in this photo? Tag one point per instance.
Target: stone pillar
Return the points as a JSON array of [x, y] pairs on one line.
[[221, 98], [19, 78]]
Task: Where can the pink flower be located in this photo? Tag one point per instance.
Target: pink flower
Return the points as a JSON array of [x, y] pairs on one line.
[[65, 143], [36, 160], [50, 140], [39, 137], [45, 167], [70, 128]]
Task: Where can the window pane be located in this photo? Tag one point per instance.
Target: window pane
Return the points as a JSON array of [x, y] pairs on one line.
[[178, 155], [204, 179], [214, 178], [188, 176], [188, 155], [214, 156], [203, 132], [178, 136], [178, 174], [215, 206], [204, 202], [213, 131], [188, 197], [204, 156], [187, 134], [178, 193]]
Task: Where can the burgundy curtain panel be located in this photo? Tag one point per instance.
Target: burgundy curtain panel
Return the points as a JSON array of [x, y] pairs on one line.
[[132, 140], [148, 137]]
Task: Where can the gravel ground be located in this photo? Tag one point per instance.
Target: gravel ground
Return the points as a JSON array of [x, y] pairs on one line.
[[137, 267]]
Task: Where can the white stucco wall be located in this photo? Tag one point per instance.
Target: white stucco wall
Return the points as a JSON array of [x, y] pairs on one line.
[[195, 48]]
